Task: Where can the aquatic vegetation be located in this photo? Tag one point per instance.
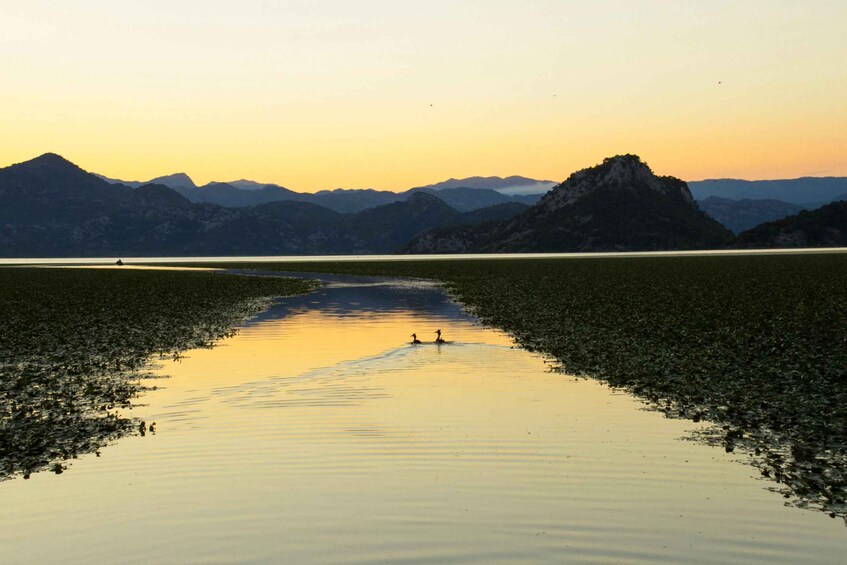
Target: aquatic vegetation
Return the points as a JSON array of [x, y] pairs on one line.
[[757, 345], [74, 342]]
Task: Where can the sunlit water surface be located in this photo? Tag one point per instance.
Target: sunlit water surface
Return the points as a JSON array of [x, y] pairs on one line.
[[428, 257], [319, 435]]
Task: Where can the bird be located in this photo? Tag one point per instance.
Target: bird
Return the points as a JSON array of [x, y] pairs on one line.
[[415, 339], [439, 339]]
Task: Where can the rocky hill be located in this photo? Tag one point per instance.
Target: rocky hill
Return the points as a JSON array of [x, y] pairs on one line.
[[619, 205]]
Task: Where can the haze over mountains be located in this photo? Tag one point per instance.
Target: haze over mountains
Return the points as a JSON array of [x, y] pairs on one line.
[[50, 207]]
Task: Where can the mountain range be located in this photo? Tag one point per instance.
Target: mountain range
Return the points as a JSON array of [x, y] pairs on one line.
[[51, 207], [737, 204], [464, 195], [807, 192]]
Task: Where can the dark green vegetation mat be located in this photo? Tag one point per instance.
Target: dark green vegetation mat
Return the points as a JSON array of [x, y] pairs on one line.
[[73, 343], [755, 344]]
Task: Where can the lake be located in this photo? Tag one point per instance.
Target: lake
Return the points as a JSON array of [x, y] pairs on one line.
[[455, 257], [319, 434]]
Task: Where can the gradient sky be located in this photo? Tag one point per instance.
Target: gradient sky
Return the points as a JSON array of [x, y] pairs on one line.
[[393, 94]]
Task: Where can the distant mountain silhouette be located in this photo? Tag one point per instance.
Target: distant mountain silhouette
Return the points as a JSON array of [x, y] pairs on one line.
[[508, 185], [244, 184], [740, 215], [618, 205], [352, 200], [809, 192], [244, 193], [824, 227], [51, 207], [466, 199], [476, 192], [176, 180], [228, 196]]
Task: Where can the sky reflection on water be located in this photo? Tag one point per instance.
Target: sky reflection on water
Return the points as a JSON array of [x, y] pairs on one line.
[[318, 434]]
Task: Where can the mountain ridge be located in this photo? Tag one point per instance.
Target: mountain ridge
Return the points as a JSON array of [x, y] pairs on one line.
[[51, 207], [618, 205], [805, 191], [823, 227], [244, 192], [741, 215]]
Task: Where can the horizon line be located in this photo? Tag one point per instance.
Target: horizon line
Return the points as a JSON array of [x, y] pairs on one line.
[[451, 178]]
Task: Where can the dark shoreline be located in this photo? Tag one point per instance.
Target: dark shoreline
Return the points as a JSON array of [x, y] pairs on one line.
[[74, 344]]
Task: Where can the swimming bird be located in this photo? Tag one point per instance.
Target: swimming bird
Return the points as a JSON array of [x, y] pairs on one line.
[[439, 339], [415, 339]]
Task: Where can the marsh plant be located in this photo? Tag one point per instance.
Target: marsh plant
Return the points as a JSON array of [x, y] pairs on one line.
[[74, 344]]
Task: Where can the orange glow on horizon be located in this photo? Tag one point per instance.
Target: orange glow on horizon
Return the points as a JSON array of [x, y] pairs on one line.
[[380, 96]]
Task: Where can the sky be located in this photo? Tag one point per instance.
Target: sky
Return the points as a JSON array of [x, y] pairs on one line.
[[395, 94]]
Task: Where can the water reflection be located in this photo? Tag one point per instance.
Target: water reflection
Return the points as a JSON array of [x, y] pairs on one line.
[[319, 434]]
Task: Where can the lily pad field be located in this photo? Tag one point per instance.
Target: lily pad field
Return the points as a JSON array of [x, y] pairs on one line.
[[74, 344], [756, 345]]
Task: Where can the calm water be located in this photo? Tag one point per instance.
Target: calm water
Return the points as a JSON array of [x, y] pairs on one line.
[[319, 435], [458, 257]]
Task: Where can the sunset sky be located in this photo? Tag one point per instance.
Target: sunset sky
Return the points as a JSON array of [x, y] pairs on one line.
[[394, 94]]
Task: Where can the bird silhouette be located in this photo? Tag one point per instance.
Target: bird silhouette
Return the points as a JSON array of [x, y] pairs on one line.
[[439, 339], [415, 339]]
